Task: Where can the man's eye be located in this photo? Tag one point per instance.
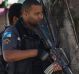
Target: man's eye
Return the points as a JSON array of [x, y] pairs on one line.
[[37, 14]]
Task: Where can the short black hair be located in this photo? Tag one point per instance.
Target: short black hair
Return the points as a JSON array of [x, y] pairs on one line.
[[28, 3], [14, 10]]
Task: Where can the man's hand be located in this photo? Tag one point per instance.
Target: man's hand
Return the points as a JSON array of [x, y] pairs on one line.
[[56, 67], [53, 68]]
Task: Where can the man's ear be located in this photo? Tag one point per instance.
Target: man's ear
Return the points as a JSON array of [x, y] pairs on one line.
[[15, 20], [25, 13]]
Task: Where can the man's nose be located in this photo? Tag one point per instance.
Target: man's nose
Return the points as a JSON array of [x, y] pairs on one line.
[[41, 16]]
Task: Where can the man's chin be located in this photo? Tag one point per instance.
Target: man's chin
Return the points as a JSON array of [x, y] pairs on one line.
[[33, 25]]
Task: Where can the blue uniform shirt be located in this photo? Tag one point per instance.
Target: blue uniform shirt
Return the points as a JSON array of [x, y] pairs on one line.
[[9, 42], [9, 39]]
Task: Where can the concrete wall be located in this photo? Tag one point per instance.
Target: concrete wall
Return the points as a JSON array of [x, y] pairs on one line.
[[75, 6], [66, 33]]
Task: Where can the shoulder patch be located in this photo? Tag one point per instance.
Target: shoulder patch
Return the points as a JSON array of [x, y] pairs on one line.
[[7, 34], [6, 41]]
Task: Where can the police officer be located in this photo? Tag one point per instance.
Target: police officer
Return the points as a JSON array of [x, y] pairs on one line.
[[13, 16], [22, 46], [14, 13]]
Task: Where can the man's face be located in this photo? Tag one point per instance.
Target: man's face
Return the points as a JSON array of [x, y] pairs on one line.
[[35, 14]]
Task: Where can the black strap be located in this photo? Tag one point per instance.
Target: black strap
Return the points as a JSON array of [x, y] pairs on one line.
[[22, 31]]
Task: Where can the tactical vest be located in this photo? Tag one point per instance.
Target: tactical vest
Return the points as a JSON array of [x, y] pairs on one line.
[[28, 40]]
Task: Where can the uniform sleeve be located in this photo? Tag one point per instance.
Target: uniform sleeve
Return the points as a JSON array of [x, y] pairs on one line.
[[9, 40]]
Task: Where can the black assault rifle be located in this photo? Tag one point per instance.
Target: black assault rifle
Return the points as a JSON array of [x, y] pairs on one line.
[[57, 54]]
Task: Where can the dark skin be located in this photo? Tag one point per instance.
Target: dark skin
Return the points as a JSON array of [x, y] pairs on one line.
[[15, 19], [31, 16]]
